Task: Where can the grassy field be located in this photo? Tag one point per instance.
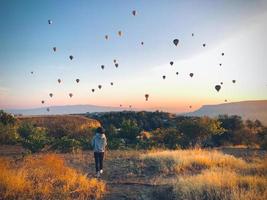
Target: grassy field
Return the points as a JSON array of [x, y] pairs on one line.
[[181, 174]]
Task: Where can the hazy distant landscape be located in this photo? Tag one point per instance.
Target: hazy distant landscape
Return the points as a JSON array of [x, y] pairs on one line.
[[247, 110]]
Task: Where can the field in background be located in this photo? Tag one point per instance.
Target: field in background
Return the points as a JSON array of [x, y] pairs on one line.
[[180, 174]]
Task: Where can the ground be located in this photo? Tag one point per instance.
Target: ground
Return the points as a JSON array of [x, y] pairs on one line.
[[125, 173]]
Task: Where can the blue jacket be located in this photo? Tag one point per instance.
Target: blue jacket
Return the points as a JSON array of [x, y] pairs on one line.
[[99, 142]]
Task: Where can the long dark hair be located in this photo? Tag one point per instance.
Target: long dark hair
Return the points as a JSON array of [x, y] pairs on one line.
[[100, 130]]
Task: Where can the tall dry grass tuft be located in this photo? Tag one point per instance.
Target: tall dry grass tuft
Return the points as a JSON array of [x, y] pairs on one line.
[[46, 177], [193, 160], [221, 184]]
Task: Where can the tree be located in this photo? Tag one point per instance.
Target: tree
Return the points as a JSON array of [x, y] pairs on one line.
[[129, 130]]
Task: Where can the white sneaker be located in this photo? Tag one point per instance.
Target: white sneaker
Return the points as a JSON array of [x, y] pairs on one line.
[[98, 175], [101, 171]]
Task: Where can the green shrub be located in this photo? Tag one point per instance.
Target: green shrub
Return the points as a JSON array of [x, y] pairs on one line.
[[36, 141], [66, 144]]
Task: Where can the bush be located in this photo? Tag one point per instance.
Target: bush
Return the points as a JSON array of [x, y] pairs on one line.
[[8, 134], [36, 141], [66, 144]]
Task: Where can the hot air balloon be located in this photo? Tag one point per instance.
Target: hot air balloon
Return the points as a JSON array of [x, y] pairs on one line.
[[192, 34], [146, 96], [114, 60], [93, 90], [221, 83], [225, 100], [204, 45], [120, 33], [171, 63], [142, 43], [77, 80], [71, 95], [222, 54], [175, 42], [42, 101], [50, 21], [134, 12], [106, 37], [217, 87], [191, 75], [116, 65], [99, 86], [71, 57], [31, 72], [190, 107], [54, 49], [48, 109], [59, 80], [233, 81], [102, 66], [177, 73], [120, 105], [111, 83], [130, 106], [220, 64], [51, 95], [163, 76]]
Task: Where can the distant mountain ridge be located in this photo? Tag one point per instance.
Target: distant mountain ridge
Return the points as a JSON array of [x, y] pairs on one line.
[[246, 109], [61, 110]]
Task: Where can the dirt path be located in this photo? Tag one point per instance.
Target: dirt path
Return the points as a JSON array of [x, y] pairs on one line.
[[124, 176]]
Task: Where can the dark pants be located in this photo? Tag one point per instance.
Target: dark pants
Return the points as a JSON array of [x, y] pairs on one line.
[[99, 156]]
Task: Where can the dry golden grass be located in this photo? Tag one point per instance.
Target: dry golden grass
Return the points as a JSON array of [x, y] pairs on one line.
[[221, 184], [193, 160], [46, 177], [215, 175]]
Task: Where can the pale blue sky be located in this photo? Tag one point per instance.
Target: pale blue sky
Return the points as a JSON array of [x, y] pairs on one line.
[[236, 27]]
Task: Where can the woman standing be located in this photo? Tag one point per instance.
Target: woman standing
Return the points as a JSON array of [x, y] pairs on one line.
[[99, 142]]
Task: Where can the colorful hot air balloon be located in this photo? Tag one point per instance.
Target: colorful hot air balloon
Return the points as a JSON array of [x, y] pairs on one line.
[[146, 96], [54, 49], [77, 80], [171, 63], [191, 75], [217, 87], [71, 95], [71, 57], [175, 42], [51, 95], [99, 87], [134, 12]]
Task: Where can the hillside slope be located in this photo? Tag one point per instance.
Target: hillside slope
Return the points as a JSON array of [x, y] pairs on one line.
[[246, 109]]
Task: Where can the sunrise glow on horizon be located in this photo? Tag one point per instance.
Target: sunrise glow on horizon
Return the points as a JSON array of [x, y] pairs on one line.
[[235, 28]]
